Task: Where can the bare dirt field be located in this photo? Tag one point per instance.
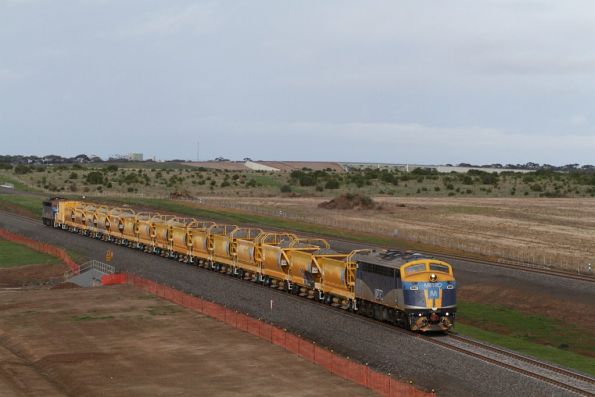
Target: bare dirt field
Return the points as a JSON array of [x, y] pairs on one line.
[[30, 275], [547, 231], [117, 341]]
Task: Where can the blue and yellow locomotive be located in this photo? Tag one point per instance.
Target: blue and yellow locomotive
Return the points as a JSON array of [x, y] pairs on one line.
[[412, 290]]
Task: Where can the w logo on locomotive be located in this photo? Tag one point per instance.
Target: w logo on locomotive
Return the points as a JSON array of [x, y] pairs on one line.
[[433, 293]]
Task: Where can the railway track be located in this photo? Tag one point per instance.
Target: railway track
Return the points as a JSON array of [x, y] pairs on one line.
[[576, 383], [519, 357], [524, 267]]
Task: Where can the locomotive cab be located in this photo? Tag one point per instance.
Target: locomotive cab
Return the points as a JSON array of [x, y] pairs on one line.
[[413, 290], [429, 295], [49, 210]]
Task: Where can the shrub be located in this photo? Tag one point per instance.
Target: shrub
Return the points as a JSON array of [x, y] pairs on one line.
[[467, 180], [285, 189], [332, 184], [307, 180], [22, 169], [73, 175], [95, 178]]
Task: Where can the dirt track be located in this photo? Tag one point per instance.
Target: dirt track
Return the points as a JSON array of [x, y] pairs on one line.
[[118, 341]]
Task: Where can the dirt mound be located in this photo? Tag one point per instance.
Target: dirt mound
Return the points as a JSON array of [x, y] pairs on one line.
[[181, 195], [350, 201]]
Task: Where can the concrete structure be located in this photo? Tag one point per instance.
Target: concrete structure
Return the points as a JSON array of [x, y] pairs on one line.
[[135, 156], [259, 167]]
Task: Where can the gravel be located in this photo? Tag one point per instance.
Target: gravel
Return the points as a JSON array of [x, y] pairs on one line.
[[404, 356]]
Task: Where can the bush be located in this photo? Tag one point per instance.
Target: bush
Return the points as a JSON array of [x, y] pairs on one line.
[[251, 183], [332, 184], [285, 189], [22, 169], [307, 180], [536, 188], [73, 175], [95, 178], [111, 168], [467, 180]]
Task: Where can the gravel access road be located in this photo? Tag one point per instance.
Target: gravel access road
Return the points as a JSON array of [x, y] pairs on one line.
[[405, 356]]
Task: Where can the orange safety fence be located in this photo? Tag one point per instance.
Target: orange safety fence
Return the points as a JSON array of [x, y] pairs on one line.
[[383, 384], [41, 247], [113, 279]]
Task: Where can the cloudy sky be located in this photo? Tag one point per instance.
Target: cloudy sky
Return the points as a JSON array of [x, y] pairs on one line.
[[381, 81]]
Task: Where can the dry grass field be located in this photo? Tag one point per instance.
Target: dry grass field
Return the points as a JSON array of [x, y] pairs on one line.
[[556, 232]]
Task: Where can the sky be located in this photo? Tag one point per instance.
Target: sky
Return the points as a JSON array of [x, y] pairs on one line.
[[428, 82]]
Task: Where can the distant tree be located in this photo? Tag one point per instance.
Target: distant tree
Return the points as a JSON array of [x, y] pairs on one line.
[[22, 169], [332, 184], [95, 178]]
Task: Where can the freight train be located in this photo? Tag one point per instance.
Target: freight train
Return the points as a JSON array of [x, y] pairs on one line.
[[411, 290]]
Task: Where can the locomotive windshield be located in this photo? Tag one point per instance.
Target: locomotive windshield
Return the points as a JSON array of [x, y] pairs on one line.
[[436, 267], [420, 267]]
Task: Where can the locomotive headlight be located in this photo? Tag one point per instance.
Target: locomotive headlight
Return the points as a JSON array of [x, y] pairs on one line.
[[433, 277], [446, 314]]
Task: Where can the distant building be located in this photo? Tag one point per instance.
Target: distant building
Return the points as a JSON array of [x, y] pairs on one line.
[[135, 156]]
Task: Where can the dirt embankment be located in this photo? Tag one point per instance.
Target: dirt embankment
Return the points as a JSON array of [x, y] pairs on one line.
[[31, 275]]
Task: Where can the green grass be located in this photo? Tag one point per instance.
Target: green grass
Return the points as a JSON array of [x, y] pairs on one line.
[[28, 203], [18, 185], [13, 255], [539, 336], [266, 180]]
